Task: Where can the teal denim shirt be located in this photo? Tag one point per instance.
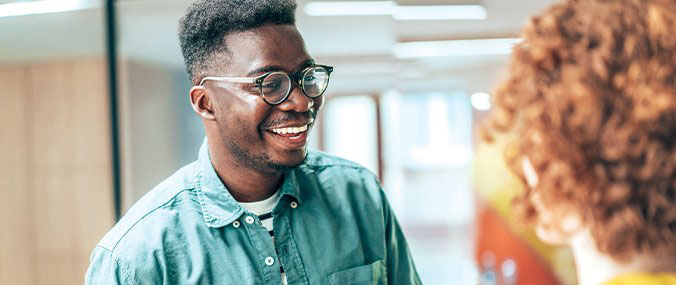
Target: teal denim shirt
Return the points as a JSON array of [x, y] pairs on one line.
[[341, 231]]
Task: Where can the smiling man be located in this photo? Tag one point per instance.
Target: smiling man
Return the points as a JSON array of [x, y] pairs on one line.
[[256, 207]]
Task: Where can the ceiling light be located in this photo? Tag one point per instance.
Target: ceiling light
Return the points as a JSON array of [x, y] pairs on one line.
[[390, 8], [440, 12], [43, 7], [455, 48], [481, 101], [350, 8]]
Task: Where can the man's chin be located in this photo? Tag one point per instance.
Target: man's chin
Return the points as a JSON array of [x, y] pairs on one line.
[[289, 161], [270, 161]]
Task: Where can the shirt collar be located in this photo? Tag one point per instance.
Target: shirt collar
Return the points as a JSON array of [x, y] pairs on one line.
[[290, 187], [218, 206]]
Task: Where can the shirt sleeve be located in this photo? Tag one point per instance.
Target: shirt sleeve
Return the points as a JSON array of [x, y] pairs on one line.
[[106, 268], [400, 266]]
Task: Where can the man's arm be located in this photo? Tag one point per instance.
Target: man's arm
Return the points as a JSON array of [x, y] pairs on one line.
[[400, 266], [105, 268]]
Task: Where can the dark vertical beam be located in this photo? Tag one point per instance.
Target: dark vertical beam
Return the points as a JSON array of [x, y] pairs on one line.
[[111, 51], [379, 133]]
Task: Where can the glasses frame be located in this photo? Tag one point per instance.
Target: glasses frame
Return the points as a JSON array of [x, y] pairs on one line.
[[296, 77]]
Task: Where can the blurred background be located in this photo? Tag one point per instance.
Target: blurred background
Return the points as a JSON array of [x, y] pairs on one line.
[[412, 83]]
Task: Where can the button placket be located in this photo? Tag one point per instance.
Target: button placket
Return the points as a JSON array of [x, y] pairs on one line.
[[287, 251]]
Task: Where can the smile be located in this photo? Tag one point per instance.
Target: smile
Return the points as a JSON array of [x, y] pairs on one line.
[[290, 130], [290, 137]]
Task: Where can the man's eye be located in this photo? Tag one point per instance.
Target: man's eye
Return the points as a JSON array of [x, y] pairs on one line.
[[310, 78], [271, 85]]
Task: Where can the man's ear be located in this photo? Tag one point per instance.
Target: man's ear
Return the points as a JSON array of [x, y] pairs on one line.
[[201, 103]]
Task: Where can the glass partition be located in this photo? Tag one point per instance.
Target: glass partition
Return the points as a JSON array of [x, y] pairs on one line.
[[159, 131], [55, 145]]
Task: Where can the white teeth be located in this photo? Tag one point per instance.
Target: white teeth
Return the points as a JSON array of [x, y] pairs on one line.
[[290, 130]]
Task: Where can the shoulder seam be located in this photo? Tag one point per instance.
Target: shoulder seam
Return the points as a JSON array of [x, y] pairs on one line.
[[119, 262]]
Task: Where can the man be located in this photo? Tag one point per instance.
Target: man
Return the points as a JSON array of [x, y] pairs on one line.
[[256, 207]]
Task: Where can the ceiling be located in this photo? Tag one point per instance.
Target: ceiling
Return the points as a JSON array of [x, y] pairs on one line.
[[356, 45]]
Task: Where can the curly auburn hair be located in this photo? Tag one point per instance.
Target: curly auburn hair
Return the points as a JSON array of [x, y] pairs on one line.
[[591, 99]]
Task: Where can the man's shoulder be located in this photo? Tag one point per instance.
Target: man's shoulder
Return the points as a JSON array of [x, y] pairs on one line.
[[157, 211], [318, 160], [338, 176]]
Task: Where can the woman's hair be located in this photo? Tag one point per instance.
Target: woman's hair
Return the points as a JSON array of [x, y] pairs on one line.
[[590, 99]]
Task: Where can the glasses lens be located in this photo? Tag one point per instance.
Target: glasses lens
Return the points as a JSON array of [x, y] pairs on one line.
[[275, 87], [315, 81]]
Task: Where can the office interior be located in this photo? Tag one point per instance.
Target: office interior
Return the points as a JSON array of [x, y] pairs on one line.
[[410, 90]]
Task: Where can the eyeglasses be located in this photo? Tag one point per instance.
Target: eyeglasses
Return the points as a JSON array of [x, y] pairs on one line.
[[275, 86]]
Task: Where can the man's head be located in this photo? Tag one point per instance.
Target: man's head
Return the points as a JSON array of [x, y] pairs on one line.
[[203, 28], [590, 98], [248, 39]]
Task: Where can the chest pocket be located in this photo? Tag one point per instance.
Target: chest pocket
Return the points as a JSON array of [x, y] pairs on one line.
[[374, 273]]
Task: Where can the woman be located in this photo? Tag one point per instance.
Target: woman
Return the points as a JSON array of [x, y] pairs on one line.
[[591, 99]]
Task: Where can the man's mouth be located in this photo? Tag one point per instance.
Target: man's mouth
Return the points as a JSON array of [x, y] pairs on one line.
[[290, 131], [291, 136]]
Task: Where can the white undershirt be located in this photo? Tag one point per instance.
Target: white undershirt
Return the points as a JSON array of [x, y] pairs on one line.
[[263, 209]]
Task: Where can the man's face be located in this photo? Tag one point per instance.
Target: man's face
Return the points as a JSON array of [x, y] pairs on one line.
[[266, 138]]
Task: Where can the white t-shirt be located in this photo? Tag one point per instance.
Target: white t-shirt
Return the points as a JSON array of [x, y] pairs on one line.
[[263, 209]]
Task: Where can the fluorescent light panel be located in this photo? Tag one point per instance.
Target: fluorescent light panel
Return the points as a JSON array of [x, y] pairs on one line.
[[349, 8], [390, 8], [42, 7], [440, 12], [454, 48]]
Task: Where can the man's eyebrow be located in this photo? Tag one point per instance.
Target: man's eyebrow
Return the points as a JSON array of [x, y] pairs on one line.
[[270, 68], [265, 69], [305, 64]]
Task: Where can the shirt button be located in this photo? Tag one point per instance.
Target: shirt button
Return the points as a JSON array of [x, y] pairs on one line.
[[269, 261], [249, 220], [294, 204], [235, 224]]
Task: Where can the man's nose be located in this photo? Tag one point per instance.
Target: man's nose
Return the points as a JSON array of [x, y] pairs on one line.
[[297, 101]]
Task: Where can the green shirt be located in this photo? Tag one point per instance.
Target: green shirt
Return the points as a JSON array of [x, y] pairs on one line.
[[332, 225]]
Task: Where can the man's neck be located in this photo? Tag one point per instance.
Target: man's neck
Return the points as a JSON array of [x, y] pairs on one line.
[[246, 185], [243, 183]]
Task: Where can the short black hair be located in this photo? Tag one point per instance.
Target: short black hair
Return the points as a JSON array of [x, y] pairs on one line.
[[201, 31]]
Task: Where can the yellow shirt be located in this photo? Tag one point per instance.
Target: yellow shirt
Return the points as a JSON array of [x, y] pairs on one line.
[[644, 279]]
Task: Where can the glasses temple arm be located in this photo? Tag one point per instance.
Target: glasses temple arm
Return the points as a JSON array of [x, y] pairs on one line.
[[230, 79]]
